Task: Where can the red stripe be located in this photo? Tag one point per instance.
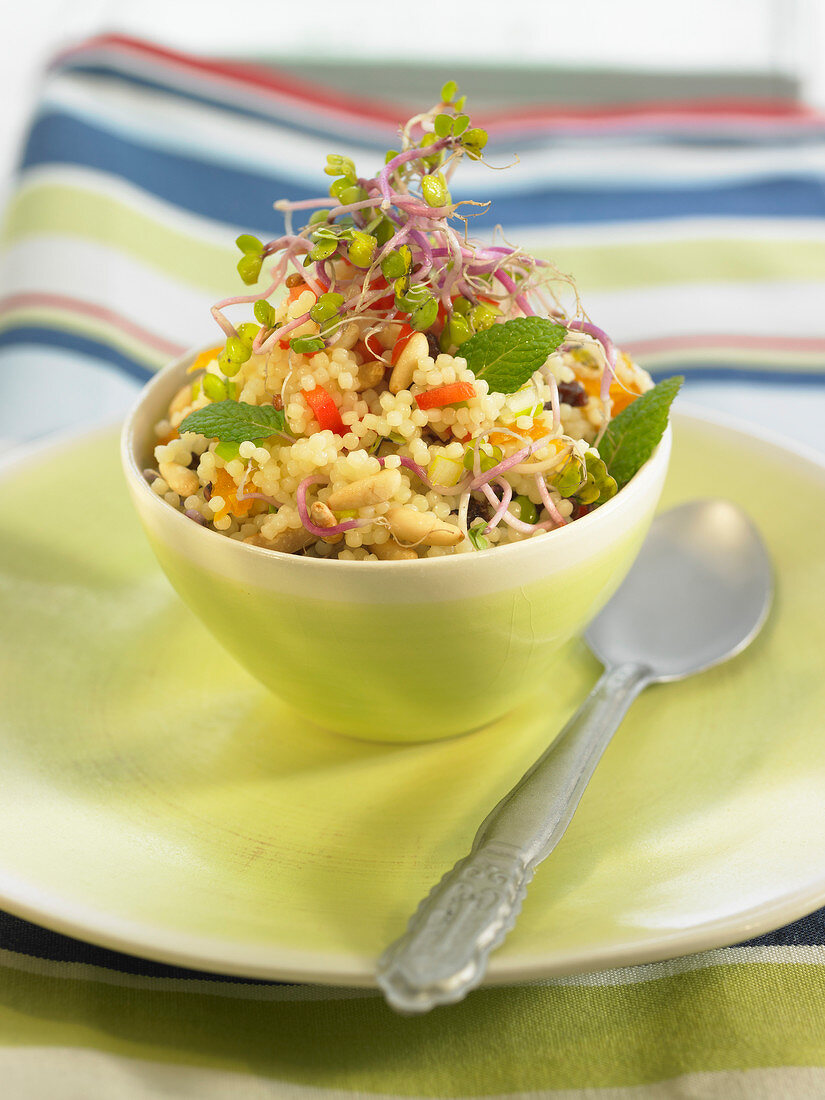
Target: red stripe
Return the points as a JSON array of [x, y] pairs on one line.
[[90, 309], [747, 341], [245, 73], [268, 80]]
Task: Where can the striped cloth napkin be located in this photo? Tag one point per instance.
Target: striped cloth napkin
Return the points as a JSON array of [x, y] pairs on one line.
[[696, 234]]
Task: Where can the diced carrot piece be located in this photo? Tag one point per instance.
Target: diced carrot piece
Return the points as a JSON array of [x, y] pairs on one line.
[[224, 486], [204, 359]]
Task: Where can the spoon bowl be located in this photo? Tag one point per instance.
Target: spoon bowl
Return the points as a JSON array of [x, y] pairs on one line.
[[698, 593]]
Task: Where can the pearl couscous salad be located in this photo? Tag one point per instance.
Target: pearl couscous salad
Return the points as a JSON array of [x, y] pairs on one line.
[[410, 393]]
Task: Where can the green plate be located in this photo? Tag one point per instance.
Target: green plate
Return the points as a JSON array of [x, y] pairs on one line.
[[154, 798]]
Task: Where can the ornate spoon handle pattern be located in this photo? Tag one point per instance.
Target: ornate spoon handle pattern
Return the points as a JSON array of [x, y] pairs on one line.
[[443, 954]]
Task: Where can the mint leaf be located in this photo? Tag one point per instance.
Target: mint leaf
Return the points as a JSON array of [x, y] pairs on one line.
[[235, 421], [632, 436], [505, 356]]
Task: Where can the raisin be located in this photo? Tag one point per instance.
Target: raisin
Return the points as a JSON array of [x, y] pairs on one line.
[[478, 509], [278, 402], [295, 280], [207, 491], [432, 343], [571, 393]]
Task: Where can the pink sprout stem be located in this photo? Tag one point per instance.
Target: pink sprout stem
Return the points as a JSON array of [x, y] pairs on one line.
[[313, 528], [405, 158], [511, 521], [506, 497], [279, 333], [609, 353], [510, 285], [548, 502]]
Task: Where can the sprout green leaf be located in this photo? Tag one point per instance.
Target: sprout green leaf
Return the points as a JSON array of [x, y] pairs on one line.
[[475, 533]]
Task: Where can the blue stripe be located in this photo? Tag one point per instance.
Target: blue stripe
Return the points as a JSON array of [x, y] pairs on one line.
[[243, 197], [809, 931], [21, 335]]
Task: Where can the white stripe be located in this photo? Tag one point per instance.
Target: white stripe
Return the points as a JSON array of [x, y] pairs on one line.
[[235, 93], [182, 127], [671, 230], [69, 379], [72, 1073], [755, 309], [195, 129], [760, 954], [112, 279]]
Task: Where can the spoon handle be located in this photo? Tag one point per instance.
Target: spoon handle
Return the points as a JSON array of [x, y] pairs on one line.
[[444, 952]]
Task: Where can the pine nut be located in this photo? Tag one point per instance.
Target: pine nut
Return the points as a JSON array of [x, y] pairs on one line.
[[410, 525], [180, 480], [369, 375], [287, 542], [323, 517], [392, 551], [402, 373], [349, 336], [387, 335], [366, 491]]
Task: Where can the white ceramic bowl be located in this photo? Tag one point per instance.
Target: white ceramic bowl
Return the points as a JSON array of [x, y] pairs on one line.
[[392, 651]]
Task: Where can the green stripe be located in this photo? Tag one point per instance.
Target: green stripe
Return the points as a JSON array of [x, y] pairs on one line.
[[626, 266], [500, 1040], [55, 208], [59, 209]]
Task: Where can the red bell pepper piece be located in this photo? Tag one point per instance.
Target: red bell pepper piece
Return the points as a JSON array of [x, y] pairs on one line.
[[325, 410], [439, 396]]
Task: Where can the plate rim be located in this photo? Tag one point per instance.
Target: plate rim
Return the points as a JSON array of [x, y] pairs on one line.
[[210, 955]]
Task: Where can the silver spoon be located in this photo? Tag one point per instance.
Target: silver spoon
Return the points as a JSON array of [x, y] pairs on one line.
[[698, 594]]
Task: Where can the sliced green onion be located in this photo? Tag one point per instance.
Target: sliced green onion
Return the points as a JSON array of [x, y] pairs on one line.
[[228, 451], [445, 471], [488, 456]]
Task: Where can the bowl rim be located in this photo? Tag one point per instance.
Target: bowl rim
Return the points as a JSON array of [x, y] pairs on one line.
[[642, 480]]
